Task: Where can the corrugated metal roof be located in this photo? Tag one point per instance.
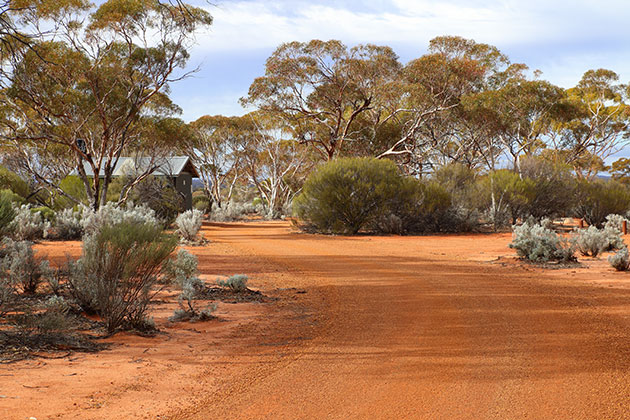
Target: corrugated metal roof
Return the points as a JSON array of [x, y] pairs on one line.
[[172, 166]]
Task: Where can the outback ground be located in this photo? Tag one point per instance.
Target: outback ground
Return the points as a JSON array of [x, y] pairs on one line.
[[434, 327]]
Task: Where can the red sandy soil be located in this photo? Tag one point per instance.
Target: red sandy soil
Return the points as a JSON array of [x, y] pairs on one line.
[[434, 327]]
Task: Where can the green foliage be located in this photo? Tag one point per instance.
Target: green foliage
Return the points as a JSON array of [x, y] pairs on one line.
[[7, 214], [74, 187], [46, 213], [348, 194], [12, 181], [597, 199], [12, 197], [201, 203], [158, 194], [539, 244], [118, 268]]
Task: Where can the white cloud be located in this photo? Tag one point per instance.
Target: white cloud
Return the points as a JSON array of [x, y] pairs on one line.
[[561, 38]]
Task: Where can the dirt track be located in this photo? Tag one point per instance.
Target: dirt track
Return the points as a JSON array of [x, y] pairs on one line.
[[423, 328], [361, 328]]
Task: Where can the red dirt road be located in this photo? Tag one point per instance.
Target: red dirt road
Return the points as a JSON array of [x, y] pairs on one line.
[[357, 328], [429, 328]]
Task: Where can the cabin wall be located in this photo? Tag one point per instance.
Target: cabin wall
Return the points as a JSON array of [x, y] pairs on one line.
[[183, 185]]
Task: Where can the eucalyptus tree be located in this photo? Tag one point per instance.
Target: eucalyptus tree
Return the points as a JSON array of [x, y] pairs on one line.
[[274, 162], [428, 105], [322, 88], [85, 89], [600, 125], [215, 146]]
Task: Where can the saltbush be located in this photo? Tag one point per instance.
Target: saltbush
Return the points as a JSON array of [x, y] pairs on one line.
[[591, 241], [110, 214], [20, 268], [188, 225], [117, 270], [538, 244], [237, 282], [180, 268], [68, 224], [28, 225], [620, 260]]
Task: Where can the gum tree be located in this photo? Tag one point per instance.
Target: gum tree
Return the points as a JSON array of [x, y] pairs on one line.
[[85, 88]]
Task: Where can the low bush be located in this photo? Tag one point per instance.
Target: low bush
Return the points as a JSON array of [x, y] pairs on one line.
[[591, 241], [20, 268], [28, 225], [110, 214], [201, 202], [184, 274], [620, 260], [68, 224], [236, 283], [232, 211], [161, 196], [538, 244], [188, 225], [117, 270], [348, 194]]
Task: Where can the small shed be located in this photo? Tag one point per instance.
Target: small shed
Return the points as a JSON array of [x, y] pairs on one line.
[[178, 169]]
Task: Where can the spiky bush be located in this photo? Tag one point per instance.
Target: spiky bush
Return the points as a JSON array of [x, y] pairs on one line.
[[28, 225], [620, 261], [188, 224], [591, 241], [538, 244], [237, 282], [20, 268], [68, 224], [110, 214], [117, 270]]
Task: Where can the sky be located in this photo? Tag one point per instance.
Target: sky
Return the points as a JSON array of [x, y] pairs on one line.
[[561, 38]]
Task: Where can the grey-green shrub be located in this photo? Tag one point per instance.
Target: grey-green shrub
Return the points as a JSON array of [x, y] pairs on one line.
[[68, 224], [620, 260], [538, 244], [184, 274], [110, 214], [591, 241], [28, 225], [21, 268], [237, 282], [180, 268], [118, 268], [188, 224]]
